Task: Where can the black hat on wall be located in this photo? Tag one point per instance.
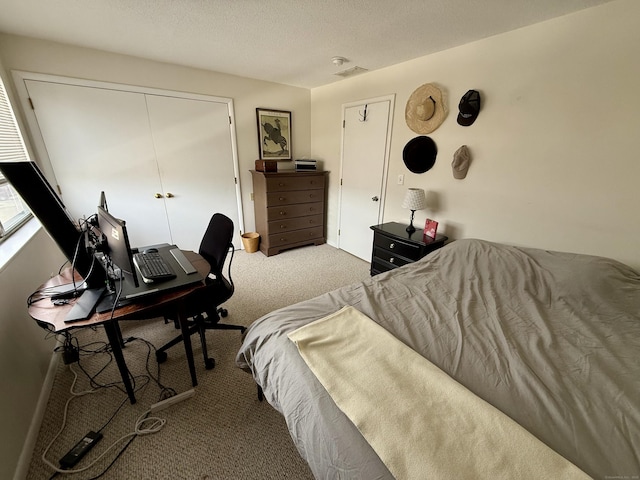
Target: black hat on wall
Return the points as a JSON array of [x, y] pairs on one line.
[[469, 108], [419, 154]]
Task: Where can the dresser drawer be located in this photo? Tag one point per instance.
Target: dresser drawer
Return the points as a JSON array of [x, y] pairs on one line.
[[398, 247], [292, 211], [380, 254], [288, 183], [275, 199], [288, 224], [285, 238]]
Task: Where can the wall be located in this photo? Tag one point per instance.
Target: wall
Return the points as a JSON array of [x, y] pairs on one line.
[[25, 349], [555, 162], [32, 55], [25, 355]]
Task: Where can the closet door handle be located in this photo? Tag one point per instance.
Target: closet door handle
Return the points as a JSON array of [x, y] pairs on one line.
[[158, 195], [169, 195]]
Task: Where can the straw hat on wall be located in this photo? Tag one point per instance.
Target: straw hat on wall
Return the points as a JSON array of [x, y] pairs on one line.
[[425, 109]]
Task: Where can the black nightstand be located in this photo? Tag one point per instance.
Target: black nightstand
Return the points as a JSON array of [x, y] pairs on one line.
[[393, 247]]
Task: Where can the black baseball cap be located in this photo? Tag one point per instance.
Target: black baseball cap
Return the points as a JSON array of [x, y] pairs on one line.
[[469, 108]]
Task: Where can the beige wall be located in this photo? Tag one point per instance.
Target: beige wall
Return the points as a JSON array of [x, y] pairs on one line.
[[555, 155], [24, 353], [28, 54]]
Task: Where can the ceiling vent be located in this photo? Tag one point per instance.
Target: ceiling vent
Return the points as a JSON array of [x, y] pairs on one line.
[[349, 72]]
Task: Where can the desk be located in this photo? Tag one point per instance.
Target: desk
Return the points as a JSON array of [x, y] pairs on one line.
[[161, 304]]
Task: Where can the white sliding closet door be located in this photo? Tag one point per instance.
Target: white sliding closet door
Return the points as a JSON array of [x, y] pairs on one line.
[[194, 153], [98, 140], [166, 163]]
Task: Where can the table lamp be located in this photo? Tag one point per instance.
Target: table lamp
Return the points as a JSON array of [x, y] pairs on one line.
[[414, 200]]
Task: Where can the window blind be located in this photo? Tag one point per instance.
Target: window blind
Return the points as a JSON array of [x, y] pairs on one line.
[[13, 211]]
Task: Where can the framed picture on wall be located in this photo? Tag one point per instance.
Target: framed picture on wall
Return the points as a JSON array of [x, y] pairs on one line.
[[274, 134]]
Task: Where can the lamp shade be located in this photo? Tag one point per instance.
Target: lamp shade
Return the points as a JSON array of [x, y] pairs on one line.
[[414, 199]]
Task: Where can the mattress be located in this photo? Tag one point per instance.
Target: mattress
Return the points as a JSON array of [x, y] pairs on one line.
[[550, 339]]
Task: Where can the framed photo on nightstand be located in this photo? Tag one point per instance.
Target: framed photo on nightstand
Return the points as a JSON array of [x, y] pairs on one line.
[[430, 228]]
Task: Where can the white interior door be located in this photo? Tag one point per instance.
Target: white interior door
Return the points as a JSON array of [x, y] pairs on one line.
[[98, 140], [193, 145], [365, 141]]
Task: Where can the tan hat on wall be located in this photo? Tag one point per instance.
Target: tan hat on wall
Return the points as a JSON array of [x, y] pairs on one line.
[[461, 161], [425, 110]]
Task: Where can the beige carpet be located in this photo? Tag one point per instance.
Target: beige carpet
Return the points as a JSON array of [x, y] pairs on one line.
[[223, 432]]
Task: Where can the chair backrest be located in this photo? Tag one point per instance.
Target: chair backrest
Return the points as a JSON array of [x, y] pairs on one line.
[[216, 242]]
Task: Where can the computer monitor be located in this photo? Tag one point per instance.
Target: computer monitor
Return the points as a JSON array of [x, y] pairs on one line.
[[118, 248], [27, 179]]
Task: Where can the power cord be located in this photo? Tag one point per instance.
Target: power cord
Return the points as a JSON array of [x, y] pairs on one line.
[[144, 425]]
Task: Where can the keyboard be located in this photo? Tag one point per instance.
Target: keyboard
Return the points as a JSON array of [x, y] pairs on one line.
[[152, 267]]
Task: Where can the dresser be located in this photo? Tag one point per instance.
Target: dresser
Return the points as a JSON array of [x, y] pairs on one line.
[[393, 247], [289, 209]]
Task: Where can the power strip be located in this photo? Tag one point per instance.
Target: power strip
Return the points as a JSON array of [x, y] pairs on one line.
[[167, 402]]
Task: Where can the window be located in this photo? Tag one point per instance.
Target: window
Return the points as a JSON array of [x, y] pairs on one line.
[[13, 211]]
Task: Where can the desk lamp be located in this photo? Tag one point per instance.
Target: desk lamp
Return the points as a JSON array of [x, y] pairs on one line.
[[414, 200]]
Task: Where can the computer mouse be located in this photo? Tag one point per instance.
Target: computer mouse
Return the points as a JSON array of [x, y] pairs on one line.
[[149, 250]]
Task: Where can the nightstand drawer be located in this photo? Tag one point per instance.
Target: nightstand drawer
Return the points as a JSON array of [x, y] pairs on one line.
[[292, 211], [380, 254], [298, 196], [397, 247], [380, 267]]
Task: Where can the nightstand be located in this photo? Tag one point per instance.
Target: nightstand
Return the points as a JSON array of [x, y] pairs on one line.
[[393, 247]]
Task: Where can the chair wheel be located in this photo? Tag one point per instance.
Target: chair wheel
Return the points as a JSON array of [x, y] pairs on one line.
[[209, 363], [223, 312], [243, 329], [161, 357]]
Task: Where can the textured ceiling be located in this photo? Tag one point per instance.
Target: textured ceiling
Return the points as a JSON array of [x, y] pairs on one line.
[[284, 41]]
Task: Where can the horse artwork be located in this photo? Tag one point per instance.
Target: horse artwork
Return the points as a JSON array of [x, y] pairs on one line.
[[274, 134]]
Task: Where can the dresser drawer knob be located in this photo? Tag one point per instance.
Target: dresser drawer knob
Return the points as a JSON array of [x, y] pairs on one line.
[[393, 245], [391, 260], [283, 226], [282, 199], [283, 213]]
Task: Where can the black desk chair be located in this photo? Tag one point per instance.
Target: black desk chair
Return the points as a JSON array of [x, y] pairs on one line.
[[203, 306]]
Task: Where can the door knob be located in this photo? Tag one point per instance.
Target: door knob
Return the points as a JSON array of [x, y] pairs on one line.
[[158, 195], [375, 199], [169, 195]]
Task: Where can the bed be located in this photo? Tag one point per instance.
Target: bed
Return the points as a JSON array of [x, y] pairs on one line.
[[551, 340]]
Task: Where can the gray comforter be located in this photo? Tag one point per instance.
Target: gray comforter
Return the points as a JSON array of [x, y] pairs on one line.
[[550, 339]]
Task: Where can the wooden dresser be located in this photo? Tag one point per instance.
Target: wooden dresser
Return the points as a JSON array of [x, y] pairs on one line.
[[289, 209]]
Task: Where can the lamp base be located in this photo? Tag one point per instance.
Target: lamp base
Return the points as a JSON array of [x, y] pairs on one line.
[[411, 228]]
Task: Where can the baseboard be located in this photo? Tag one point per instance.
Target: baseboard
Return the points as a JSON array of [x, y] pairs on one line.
[[38, 415]]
